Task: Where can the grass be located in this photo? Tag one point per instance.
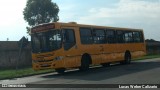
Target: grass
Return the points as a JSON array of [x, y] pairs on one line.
[[148, 57], [12, 73]]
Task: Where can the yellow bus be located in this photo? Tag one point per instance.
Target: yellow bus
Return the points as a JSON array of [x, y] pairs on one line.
[[62, 46]]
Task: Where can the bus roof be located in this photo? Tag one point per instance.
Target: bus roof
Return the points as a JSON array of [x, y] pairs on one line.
[[74, 24]]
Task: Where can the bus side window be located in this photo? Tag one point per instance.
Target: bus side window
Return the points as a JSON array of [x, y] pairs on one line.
[[110, 35], [86, 35], [99, 36], [120, 36], [69, 38], [141, 37], [128, 37], [138, 37]]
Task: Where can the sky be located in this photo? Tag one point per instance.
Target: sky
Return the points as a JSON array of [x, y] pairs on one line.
[[140, 14]]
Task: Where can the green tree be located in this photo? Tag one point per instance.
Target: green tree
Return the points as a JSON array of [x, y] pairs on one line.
[[40, 11]]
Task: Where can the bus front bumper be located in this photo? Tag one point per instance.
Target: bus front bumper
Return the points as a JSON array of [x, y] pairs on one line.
[[47, 65]]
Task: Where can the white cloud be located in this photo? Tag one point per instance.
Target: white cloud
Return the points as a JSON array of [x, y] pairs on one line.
[[127, 9], [143, 14], [11, 11], [12, 24], [128, 13]]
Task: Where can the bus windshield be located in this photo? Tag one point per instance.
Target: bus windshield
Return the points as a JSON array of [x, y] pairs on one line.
[[46, 41]]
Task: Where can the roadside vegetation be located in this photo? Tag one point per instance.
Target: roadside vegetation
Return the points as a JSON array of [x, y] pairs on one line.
[[150, 56], [13, 73]]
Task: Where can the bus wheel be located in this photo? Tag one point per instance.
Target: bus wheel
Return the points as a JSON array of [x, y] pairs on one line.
[[105, 64], [127, 59], [60, 71], [85, 63]]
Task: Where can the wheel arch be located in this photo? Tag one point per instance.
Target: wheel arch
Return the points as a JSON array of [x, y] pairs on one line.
[[88, 56], [128, 53]]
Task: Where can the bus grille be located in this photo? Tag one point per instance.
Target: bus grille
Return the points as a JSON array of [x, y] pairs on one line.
[[45, 60], [45, 65]]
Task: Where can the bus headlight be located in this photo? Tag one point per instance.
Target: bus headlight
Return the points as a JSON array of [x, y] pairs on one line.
[[58, 58]]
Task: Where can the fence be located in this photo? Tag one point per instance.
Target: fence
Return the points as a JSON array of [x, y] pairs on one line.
[[9, 55]]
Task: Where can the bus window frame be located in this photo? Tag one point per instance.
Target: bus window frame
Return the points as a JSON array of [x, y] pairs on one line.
[[122, 38], [140, 35], [94, 35], [82, 36], [61, 41], [115, 37], [64, 38], [130, 40]]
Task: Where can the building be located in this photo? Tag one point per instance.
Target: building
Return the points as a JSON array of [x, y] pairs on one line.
[[152, 46]]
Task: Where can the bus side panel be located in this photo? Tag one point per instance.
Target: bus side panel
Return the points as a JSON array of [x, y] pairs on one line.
[[139, 50], [58, 64], [110, 53], [71, 62], [96, 59], [136, 49]]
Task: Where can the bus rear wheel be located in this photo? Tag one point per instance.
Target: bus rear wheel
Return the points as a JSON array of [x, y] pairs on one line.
[[60, 70], [85, 62], [127, 59]]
